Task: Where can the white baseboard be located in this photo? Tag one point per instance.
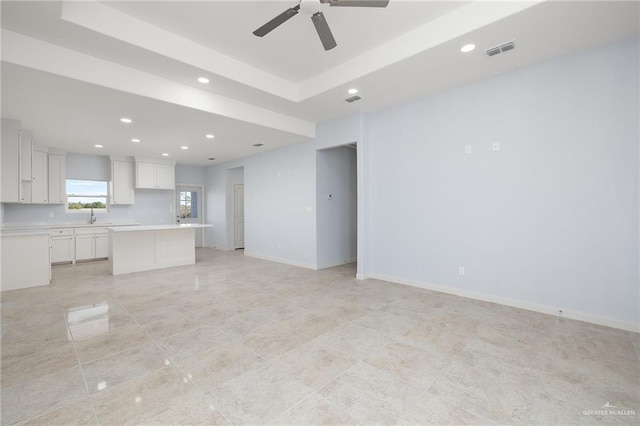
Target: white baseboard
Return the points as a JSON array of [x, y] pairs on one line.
[[341, 262], [522, 304], [361, 276], [280, 260]]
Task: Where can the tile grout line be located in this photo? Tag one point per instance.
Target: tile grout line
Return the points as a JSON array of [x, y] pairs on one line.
[[173, 363], [536, 400], [84, 378]]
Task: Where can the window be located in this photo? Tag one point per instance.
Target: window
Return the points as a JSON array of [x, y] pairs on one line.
[[188, 205], [86, 194]]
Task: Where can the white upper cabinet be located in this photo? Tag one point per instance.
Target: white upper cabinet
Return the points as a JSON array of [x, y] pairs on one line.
[[10, 172], [39, 177], [166, 176], [24, 168], [57, 187], [152, 175], [122, 188]]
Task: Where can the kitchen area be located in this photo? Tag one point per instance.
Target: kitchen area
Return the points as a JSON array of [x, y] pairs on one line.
[[41, 226]]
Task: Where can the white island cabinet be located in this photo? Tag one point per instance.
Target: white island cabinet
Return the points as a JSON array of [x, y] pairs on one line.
[[25, 259], [143, 248]]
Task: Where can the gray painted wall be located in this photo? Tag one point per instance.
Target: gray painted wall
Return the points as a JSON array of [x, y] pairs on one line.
[[336, 216], [551, 219]]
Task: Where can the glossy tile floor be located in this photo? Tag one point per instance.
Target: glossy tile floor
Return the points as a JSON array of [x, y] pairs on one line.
[[238, 340]]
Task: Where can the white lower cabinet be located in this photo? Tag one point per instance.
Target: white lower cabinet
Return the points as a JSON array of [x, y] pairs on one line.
[[91, 243], [102, 246], [62, 245]]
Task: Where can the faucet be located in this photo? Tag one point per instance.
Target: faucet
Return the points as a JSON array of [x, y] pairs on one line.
[[93, 217]]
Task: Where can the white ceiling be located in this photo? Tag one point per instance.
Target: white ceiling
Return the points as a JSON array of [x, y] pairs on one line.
[[70, 70]]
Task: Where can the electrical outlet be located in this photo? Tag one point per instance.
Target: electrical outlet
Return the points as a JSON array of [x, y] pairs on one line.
[[461, 271], [330, 197], [467, 149], [495, 147]]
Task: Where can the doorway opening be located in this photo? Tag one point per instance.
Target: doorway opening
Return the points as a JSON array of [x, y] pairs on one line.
[[238, 216], [235, 238], [337, 207]]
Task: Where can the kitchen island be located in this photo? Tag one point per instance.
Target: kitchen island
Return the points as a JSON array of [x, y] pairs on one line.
[[148, 247]]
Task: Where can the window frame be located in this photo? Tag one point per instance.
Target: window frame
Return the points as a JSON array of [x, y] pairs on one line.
[[93, 196]]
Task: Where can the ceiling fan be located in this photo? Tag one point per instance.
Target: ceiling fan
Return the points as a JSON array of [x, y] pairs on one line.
[[322, 28]]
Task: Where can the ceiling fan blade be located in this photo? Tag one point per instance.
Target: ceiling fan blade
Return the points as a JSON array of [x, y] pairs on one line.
[[277, 21], [357, 3], [324, 32]]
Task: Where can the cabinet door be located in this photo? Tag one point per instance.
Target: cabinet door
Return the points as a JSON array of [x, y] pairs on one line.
[[57, 190], [40, 178], [145, 175], [85, 247], [10, 176], [122, 182], [26, 148], [101, 246], [165, 176], [62, 249]]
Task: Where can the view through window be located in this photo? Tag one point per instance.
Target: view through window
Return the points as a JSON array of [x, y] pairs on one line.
[[86, 194], [188, 205]]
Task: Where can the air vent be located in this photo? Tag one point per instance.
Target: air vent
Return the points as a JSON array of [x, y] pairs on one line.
[[502, 48], [353, 98], [493, 51]]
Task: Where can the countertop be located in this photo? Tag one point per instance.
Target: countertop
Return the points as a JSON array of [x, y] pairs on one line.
[[23, 232], [47, 226], [157, 227]]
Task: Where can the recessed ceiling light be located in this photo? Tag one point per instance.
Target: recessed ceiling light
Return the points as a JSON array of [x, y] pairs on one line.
[[184, 147], [164, 154], [136, 140], [209, 136], [203, 80], [211, 158], [352, 91], [258, 144], [98, 146], [467, 48], [125, 120]]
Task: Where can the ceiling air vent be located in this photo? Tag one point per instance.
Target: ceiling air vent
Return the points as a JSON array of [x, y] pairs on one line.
[[502, 48], [353, 98]]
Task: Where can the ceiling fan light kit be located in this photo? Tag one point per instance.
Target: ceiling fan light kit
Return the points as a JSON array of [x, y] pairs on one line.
[[318, 19]]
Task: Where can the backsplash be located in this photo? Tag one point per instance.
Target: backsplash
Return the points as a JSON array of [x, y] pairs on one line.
[[152, 207]]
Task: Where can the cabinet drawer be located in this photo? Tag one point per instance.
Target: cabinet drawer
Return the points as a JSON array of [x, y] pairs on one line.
[[55, 232], [91, 231]]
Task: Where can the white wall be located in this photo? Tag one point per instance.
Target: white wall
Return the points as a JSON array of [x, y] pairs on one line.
[[336, 216], [190, 175], [151, 207], [280, 197], [550, 220]]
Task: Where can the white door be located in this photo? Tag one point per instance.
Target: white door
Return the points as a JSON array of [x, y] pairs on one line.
[[189, 208], [238, 215]]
